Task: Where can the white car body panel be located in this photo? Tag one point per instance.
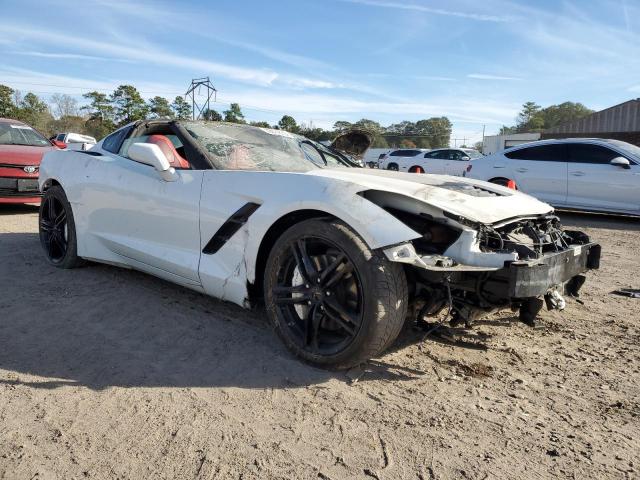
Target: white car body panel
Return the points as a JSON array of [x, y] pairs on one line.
[[126, 214], [440, 166], [429, 189], [403, 162], [599, 187]]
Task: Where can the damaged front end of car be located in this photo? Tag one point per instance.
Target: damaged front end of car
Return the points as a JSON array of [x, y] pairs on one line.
[[471, 269]]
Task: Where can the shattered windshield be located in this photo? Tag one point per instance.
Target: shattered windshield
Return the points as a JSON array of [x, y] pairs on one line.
[[243, 147]]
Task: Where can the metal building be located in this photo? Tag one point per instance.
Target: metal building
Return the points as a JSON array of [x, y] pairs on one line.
[[496, 143], [621, 122]]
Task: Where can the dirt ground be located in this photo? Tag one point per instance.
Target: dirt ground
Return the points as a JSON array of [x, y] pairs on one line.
[[108, 373]]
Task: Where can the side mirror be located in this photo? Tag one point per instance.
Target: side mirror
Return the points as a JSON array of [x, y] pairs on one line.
[[465, 158], [59, 144], [150, 154], [620, 162]]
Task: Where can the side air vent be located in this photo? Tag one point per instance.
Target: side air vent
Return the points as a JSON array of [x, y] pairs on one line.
[[229, 228]]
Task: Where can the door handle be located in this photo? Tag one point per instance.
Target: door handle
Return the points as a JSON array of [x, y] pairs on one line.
[[522, 169], [577, 174]]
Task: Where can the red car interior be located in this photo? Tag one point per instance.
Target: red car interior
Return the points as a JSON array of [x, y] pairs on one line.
[[175, 159]]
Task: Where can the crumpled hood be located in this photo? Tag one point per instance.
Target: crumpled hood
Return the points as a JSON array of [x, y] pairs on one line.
[[354, 142], [472, 199]]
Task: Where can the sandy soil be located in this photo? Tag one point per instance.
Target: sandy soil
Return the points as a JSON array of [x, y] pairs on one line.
[[108, 373]]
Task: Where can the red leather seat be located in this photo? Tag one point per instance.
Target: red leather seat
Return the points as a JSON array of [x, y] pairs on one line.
[[175, 159]]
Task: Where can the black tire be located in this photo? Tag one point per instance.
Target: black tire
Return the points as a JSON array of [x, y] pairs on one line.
[[340, 324], [58, 229], [393, 166], [500, 181]]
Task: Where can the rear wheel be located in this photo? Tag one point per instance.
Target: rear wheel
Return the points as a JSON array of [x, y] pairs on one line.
[[57, 229], [393, 166], [500, 181], [333, 301], [503, 182]]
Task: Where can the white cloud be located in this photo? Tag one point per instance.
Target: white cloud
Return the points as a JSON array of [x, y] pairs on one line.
[[337, 107], [483, 76], [438, 11], [64, 56], [45, 83], [151, 55]]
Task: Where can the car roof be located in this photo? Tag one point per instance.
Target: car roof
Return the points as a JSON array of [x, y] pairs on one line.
[[552, 141]]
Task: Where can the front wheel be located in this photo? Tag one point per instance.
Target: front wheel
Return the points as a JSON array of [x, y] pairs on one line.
[[58, 230], [333, 301]]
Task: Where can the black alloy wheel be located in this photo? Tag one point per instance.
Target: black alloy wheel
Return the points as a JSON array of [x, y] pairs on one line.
[[333, 301], [319, 295], [58, 230], [53, 228]]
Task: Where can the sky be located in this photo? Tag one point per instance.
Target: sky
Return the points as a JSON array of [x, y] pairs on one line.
[[327, 60]]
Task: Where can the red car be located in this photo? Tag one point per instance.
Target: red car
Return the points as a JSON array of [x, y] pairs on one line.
[[21, 150]]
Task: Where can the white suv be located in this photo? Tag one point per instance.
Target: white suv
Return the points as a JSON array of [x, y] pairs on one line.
[[399, 159], [442, 161], [574, 173]]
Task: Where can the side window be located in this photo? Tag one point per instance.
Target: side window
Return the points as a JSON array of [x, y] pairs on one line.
[[541, 153], [455, 155], [588, 153], [436, 154], [60, 137], [404, 153], [113, 142]]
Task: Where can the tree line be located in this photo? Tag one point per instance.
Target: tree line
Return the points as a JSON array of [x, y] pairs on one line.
[[534, 118], [103, 113]]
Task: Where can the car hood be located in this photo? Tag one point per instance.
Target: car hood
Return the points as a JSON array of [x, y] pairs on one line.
[[474, 200], [22, 154], [353, 143]]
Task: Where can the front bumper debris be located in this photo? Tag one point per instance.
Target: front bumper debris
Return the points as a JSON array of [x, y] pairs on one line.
[[524, 279]]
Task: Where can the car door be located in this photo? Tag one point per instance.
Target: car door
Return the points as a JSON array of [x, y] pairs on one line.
[[458, 163], [539, 170], [593, 182], [436, 161], [147, 222], [405, 159]]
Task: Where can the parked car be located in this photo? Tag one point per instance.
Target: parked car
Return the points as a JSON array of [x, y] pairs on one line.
[[395, 159], [338, 255], [75, 141], [374, 156], [21, 150], [575, 173], [442, 161]]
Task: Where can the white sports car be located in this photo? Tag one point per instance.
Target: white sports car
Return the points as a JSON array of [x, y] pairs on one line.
[[338, 254]]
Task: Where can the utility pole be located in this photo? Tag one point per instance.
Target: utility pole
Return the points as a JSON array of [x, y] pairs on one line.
[[197, 84]]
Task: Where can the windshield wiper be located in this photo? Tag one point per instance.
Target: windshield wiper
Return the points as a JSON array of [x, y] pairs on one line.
[[344, 157]]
